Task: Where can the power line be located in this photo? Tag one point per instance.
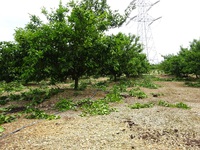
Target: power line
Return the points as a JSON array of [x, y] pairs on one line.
[[144, 22]]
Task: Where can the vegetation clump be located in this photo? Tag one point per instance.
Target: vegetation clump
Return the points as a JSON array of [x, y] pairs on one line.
[[160, 103], [146, 81], [193, 84], [136, 92], [98, 107], [114, 95], [177, 105], [140, 105], [64, 105], [33, 113]]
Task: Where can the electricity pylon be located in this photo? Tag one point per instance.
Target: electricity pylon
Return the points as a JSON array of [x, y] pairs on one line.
[[144, 22]]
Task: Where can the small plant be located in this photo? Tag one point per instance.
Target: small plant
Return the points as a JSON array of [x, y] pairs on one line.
[[122, 87], [146, 82], [35, 96], [139, 105], [192, 84], [157, 94], [177, 105], [76, 93], [114, 95], [12, 86], [33, 113], [1, 130], [154, 78], [99, 107], [182, 105], [6, 118], [82, 86], [84, 102], [165, 104], [102, 85], [64, 105], [3, 101], [137, 93], [11, 109]]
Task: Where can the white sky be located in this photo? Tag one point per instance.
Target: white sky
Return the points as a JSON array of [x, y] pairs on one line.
[[180, 22]]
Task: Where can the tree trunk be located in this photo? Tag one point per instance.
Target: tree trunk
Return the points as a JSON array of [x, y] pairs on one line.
[[76, 83], [115, 78]]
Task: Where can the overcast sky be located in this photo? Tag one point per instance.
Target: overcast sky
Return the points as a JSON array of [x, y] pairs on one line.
[[180, 22]]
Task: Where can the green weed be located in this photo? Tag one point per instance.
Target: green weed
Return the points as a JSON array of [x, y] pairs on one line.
[[136, 92], [177, 105], [64, 105], [1, 130], [146, 82], [182, 105], [35, 96], [3, 100], [157, 94], [122, 87], [33, 113], [84, 102], [11, 86], [102, 85], [165, 104], [114, 95], [139, 105], [6, 118], [192, 84], [99, 107]]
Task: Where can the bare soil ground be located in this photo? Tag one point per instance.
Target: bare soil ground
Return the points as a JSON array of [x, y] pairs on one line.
[[156, 128]]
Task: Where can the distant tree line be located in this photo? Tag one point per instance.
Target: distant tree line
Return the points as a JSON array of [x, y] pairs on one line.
[[71, 42], [186, 62]]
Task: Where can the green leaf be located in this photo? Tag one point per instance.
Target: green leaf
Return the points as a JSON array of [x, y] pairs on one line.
[[1, 129]]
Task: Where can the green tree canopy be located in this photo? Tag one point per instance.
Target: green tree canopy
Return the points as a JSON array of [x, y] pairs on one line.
[[186, 62], [66, 45]]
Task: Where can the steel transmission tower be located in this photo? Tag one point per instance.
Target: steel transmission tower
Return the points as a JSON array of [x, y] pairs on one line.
[[144, 22]]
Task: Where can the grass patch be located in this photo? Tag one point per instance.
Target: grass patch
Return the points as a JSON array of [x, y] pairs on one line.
[[139, 105], [136, 92], [33, 113], [193, 84], [1, 130], [6, 118], [157, 94], [87, 106], [182, 105], [10, 87], [102, 85], [98, 107], [147, 82], [177, 105], [64, 105], [114, 95], [160, 103], [34, 96]]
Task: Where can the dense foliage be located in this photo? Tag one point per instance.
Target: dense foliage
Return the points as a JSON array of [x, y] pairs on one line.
[[186, 62], [72, 43]]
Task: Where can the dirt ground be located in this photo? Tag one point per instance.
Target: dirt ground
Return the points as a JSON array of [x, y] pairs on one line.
[[156, 128]]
